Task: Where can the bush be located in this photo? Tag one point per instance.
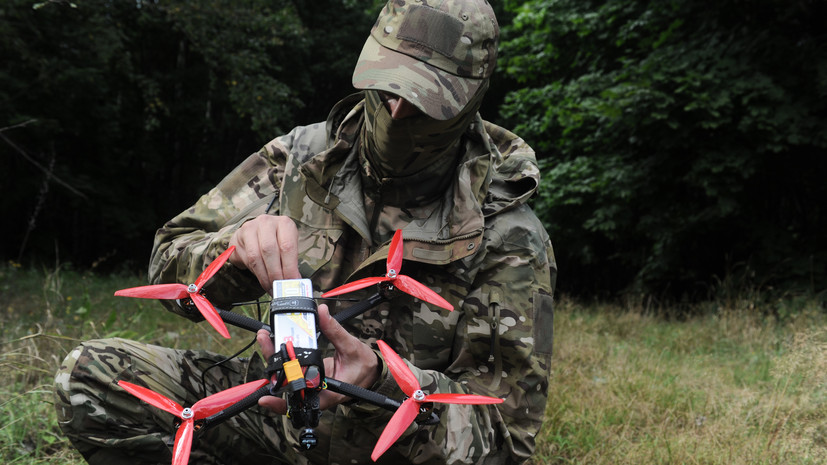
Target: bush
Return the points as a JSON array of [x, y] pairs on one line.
[[679, 140]]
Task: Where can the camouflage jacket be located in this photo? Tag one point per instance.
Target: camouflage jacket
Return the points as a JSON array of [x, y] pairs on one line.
[[479, 246]]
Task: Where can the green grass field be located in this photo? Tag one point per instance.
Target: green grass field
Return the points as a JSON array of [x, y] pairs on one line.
[[728, 386]]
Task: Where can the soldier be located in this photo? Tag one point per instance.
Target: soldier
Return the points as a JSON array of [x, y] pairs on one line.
[[411, 152]]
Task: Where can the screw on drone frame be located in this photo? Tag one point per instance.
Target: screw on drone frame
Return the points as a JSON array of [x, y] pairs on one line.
[[192, 291]]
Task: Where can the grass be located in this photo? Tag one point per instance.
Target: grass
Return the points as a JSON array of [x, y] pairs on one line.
[[727, 386], [43, 315]]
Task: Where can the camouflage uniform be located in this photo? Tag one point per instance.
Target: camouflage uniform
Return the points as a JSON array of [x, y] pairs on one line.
[[475, 242], [479, 246]]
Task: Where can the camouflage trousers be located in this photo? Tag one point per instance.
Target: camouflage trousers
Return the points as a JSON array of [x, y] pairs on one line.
[[110, 426]]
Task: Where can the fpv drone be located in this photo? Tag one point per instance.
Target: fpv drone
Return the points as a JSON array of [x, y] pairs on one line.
[[297, 368]]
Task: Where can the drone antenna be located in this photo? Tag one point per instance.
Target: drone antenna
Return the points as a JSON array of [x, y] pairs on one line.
[[221, 362]]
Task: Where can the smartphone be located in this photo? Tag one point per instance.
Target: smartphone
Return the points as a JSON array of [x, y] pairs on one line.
[[299, 326]]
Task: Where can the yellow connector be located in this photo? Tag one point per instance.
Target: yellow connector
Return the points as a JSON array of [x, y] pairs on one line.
[[293, 370]]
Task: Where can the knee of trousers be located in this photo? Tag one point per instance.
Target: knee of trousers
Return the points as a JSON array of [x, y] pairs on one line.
[[101, 418], [86, 393], [103, 422]]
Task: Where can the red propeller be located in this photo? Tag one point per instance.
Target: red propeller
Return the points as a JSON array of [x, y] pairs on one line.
[[193, 291], [204, 408], [409, 409], [404, 283]]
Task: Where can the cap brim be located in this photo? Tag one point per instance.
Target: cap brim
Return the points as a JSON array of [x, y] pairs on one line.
[[438, 93]]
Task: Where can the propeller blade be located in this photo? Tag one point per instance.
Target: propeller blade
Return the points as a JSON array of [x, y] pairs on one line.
[[183, 443], [394, 262], [155, 291], [354, 286], [399, 370], [210, 314], [465, 399], [420, 291], [217, 402], [401, 419], [152, 398], [213, 267]]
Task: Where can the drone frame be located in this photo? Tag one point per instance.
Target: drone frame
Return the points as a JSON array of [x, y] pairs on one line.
[[287, 367]]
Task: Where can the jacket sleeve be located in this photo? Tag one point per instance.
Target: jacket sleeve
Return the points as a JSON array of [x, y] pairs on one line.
[[186, 245], [502, 349]]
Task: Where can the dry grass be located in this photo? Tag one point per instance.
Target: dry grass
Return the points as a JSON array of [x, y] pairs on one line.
[[726, 387], [44, 315], [730, 387]]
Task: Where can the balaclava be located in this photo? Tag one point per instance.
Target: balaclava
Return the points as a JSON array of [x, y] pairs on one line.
[[412, 160]]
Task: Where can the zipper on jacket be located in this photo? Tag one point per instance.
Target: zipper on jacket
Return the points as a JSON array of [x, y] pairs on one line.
[[254, 206], [462, 237], [494, 349]]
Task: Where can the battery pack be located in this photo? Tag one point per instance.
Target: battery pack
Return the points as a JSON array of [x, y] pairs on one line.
[[293, 313]]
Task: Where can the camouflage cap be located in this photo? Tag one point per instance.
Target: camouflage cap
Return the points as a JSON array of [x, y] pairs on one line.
[[434, 53]]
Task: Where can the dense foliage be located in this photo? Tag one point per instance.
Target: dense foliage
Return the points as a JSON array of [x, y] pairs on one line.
[[683, 142], [115, 116]]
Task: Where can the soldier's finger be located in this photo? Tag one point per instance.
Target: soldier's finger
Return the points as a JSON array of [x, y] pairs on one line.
[[269, 255], [328, 399], [257, 263], [265, 343], [275, 404], [288, 244], [247, 255], [277, 239], [335, 333], [354, 362]]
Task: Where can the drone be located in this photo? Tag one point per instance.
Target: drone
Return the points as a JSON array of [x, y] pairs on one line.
[[297, 369]]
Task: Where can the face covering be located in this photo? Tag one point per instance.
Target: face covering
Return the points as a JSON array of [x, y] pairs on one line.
[[419, 148]]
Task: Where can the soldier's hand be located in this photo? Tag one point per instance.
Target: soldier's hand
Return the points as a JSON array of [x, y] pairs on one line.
[[268, 246], [354, 362]]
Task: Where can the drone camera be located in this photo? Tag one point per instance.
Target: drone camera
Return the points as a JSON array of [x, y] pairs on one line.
[[308, 439]]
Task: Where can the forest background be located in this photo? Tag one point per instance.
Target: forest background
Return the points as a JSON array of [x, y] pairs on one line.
[[682, 143], [683, 151]]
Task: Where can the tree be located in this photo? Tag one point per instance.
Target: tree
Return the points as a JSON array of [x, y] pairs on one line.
[[142, 106], [682, 142]]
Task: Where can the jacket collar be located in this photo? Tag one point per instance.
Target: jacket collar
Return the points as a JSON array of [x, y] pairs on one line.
[[452, 226]]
